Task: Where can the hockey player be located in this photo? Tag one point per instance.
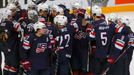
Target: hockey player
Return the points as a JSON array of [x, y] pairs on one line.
[[32, 6], [13, 8], [3, 38], [119, 44], [43, 10], [17, 12], [130, 43], [11, 45], [80, 54], [112, 18], [73, 12], [64, 47], [75, 7], [35, 52], [32, 18], [55, 10], [130, 50], [103, 34]]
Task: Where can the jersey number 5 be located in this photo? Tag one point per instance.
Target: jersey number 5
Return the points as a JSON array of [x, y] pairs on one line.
[[103, 38]]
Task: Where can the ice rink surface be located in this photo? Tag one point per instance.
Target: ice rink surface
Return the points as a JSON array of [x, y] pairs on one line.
[[130, 15]]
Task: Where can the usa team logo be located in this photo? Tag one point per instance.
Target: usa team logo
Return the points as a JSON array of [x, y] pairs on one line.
[[41, 47]]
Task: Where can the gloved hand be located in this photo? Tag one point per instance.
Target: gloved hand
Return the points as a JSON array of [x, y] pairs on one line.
[[68, 55], [110, 60], [26, 65]]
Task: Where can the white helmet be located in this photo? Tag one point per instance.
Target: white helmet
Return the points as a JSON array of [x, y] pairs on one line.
[[61, 11], [57, 9], [76, 5], [32, 13], [60, 20], [32, 5], [112, 17], [43, 6], [11, 6], [121, 19], [6, 13], [39, 25], [96, 10]]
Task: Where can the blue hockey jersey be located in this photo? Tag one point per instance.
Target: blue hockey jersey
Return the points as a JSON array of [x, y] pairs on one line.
[[103, 34], [37, 51]]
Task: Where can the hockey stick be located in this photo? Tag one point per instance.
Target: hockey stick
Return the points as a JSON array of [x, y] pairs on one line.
[[107, 69], [88, 58], [71, 72], [57, 63]]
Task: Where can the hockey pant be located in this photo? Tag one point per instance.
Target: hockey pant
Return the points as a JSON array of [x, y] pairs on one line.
[[11, 64], [62, 64], [99, 65], [39, 72], [80, 61]]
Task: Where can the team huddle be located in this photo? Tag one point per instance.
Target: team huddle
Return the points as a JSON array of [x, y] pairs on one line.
[[54, 40]]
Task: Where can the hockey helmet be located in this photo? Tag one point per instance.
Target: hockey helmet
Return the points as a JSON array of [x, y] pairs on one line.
[[32, 6], [43, 6], [6, 13], [60, 20], [39, 25], [32, 14], [96, 10], [112, 17], [76, 5], [11, 6]]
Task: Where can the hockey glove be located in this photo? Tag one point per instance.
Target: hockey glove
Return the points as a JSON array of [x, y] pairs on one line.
[[110, 60], [68, 55], [26, 65]]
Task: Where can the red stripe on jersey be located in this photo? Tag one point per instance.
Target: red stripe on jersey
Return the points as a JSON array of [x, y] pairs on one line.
[[16, 28], [93, 33], [119, 28], [24, 44], [119, 44], [130, 42]]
